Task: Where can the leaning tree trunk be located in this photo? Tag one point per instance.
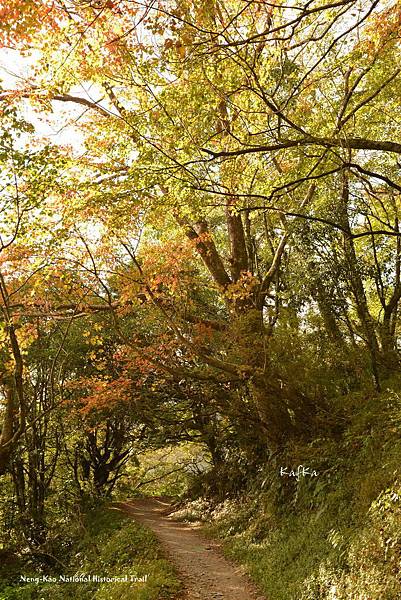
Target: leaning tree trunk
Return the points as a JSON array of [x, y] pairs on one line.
[[14, 420], [8, 429]]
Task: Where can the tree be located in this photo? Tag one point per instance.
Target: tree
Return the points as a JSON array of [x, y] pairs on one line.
[[239, 127], [24, 180]]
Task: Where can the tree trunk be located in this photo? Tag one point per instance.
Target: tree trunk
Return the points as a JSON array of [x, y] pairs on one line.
[[390, 359], [7, 431], [356, 285]]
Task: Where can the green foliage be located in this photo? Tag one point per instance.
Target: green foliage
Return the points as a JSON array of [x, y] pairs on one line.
[[107, 544], [168, 471], [213, 263], [335, 536]]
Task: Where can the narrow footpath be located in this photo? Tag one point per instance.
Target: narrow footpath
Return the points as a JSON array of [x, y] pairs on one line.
[[206, 574]]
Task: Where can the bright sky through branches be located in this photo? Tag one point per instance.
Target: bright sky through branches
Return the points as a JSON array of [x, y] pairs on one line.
[[58, 127]]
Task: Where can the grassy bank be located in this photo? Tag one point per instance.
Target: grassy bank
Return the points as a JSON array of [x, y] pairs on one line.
[[336, 536], [103, 543]]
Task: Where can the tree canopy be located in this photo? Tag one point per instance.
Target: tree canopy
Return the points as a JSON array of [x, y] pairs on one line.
[[217, 248]]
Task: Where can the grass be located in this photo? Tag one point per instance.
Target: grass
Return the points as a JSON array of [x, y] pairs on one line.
[[106, 544], [335, 537]]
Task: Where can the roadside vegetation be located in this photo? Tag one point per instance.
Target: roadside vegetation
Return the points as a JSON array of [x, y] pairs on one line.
[[101, 543], [335, 536], [200, 283]]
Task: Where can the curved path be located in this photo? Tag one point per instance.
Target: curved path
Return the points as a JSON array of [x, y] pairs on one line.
[[206, 574]]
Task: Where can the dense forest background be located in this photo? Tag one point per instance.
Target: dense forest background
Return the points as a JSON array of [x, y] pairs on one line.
[[200, 279]]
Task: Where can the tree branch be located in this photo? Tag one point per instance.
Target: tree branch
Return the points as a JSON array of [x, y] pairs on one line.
[[352, 143]]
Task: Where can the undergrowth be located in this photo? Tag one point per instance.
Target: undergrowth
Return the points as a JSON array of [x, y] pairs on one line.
[[104, 543], [336, 536]]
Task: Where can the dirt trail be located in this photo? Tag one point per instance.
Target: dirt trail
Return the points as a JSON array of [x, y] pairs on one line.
[[206, 574]]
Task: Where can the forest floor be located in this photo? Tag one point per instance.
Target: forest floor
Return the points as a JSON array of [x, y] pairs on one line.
[[205, 573]]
